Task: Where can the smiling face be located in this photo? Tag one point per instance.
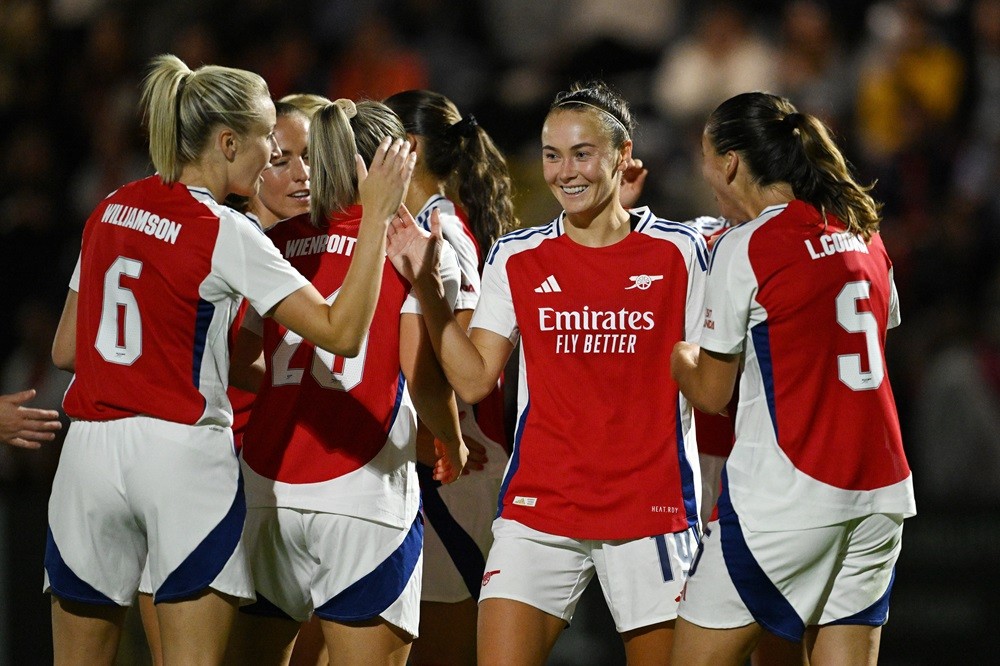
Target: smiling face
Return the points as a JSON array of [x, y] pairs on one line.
[[579, 161], [284, 191]]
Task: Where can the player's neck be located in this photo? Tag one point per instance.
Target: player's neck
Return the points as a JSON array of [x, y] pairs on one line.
[[598, 228], [422, 187]]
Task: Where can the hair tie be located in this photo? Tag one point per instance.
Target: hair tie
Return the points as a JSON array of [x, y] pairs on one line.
[[349, 108], [793, 120], [466, 127]]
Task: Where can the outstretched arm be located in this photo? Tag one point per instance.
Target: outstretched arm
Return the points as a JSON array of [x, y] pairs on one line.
[[26, 427], [706, 378], [473, 361], [433, 398]]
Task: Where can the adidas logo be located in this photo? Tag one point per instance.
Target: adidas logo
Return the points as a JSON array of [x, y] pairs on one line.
[[550, 285]]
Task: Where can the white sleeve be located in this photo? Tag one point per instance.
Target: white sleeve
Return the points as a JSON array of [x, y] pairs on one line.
[[74, 279], [894, 318], [454, 232], [695, 307], [730, 289], [450, 276], [495, 311], [247, 261]]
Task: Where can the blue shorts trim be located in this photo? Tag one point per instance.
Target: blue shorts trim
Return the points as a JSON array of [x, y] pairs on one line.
[[764, 601], [875, 615], [207, 560], [372, 594], [64, 583], [462, 548]]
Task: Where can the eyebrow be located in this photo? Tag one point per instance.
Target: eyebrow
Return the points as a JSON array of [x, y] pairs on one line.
[[576, 147]]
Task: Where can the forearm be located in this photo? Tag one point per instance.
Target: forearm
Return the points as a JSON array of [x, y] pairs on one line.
[[464, 366], [350, 315], [706, 379]]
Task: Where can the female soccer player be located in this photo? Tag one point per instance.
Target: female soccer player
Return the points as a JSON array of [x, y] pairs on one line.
[[457, 162], [333, 527], [603, 477], [148, 465], [817, 486]]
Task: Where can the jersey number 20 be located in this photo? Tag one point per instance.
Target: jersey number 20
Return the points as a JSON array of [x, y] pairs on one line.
[[854, 321], [329, 371]]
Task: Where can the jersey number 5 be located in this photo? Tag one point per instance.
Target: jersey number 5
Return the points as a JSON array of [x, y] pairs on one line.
[[853, 320], [119, 335], [329, 371]]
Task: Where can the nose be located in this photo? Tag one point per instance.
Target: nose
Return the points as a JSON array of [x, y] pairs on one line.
[[567, 169], [272, 142], [300, 170]]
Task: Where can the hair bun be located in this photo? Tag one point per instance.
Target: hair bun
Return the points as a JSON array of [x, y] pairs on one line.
[[348, 106]]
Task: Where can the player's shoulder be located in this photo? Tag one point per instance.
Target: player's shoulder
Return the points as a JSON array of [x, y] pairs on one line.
[[684, 234], [525, 239]]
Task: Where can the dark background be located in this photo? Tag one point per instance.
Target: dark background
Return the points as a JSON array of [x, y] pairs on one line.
[[911, 87]]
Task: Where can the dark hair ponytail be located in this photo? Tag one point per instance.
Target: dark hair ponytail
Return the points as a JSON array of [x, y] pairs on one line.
[[780, 145], [460, 153]]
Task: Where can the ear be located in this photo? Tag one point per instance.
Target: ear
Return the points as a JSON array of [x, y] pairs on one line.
[[412, 140], [228, 143], [732, 165], [625, 157]]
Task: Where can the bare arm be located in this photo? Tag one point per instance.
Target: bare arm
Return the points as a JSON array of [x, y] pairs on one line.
[[64, 342], [341, 326], [26, 427], [706, 378], [432, 397], [246, 364], [472, 361]]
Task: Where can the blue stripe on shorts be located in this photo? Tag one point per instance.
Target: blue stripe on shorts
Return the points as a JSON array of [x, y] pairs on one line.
[[372, 594], [64, 583], [462, 548], [875, 615], [203, 565], [764, 601]]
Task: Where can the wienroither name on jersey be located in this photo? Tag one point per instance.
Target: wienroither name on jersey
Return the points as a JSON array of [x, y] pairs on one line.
[[600, 331], [144, 221], [333, 244]]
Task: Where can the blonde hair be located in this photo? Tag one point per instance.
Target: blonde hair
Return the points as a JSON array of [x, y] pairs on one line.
[[338, 131], [307, 103], [181, 108]]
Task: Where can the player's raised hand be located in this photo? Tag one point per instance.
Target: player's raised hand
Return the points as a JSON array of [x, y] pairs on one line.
[[382, 184], [414, 252]]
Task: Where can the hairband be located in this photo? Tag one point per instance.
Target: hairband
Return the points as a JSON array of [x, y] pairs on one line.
[[466, 127], [349, 108], [602, 110]]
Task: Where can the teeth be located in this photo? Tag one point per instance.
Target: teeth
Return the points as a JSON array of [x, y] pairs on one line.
[[574, 190]]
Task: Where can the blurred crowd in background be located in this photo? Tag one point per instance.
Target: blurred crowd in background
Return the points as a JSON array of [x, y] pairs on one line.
[[911, 87]]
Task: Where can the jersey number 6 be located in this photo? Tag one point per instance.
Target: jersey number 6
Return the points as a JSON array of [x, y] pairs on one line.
[[119, 335]]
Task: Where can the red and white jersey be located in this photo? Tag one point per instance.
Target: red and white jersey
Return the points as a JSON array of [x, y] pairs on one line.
[[817, 434], [603, 446], [456, 232], [329, 433], [160, 278]]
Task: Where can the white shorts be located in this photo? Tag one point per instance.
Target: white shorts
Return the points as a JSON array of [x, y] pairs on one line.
[[458, 533], [641, 578], [137, 488], [787, 581], [342, 568]]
